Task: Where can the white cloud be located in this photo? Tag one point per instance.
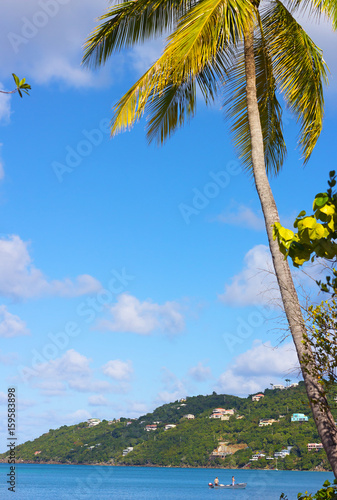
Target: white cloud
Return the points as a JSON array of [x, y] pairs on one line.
[[256, 283], [118, 370], [200, 372], [11, 325], [131, 315], [33, 45], [10, 358], [76, 417], [20, 279], [240, 215], [173, 388], [84, 384], [3, 398], [256, 368], [72, 371], [5, 106], [98, 400]]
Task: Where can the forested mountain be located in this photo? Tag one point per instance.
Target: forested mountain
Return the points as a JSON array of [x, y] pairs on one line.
[[191, 442]]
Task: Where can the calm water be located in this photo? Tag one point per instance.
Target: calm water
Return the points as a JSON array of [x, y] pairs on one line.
[[80, 482]]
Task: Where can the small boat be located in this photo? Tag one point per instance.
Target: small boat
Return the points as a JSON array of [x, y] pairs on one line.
[[236, 486]]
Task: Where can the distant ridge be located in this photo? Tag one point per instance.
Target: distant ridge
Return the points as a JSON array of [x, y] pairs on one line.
[[255, 428]]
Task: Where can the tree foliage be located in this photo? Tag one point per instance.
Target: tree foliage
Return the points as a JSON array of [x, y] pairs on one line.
[[316, 234], [316, 238]]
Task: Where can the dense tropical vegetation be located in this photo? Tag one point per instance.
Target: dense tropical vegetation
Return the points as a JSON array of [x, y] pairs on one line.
[[191, 442]]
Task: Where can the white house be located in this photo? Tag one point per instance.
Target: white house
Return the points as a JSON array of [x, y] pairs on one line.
[[169, 426], [220, 416], [93, 421], [189, 416], [257, 457], [127, 450], [257, 397], [283, 453], [314, 446], [150, 427], [267, 421]]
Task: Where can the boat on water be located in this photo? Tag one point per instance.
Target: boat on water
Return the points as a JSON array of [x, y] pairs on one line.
[[235, 486]]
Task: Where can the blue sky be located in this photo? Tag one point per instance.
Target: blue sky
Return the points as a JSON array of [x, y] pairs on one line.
[[130, 275]]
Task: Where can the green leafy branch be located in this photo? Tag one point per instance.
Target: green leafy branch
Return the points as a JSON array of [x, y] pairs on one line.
[[328, 492], [21, 87], [316, 234]]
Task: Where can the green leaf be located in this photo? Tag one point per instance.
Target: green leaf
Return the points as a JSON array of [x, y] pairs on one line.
[[307, 222], [286, 234], [328, 210], [320, 200], [17, 81]]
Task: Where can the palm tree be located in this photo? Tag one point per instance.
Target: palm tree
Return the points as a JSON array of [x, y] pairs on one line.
[[246, 54]]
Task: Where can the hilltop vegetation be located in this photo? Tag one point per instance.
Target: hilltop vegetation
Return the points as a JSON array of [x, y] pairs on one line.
[[191, 442]]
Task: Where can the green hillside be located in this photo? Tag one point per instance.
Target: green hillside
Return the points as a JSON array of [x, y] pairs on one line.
[[191, 442]]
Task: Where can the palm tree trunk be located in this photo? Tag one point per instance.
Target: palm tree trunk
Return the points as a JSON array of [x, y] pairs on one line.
[[324, 420]]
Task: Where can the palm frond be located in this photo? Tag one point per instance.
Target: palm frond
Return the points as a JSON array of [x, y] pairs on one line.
[[132, 22], [176, 103], [171, 109], [185, 59], [269, 107], [207, 29], [299, 70], [315, 8]]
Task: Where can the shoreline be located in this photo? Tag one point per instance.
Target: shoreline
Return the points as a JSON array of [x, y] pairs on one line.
[[109, 464]]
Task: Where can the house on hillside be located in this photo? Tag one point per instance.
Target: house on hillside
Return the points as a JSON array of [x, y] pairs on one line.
[[257, 397], [150, 427], [93, 421], [283, 453], [189, 416], [257, 457], [299, 417], [220, 416], [222, 413], [169, 426], [314, 446], [267, 421], [127, 450], [278, 386]]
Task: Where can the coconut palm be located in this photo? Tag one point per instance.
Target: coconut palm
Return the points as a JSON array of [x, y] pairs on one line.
[[247, 54]]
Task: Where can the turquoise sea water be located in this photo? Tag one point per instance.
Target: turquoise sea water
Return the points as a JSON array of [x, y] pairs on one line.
[[84, 482]]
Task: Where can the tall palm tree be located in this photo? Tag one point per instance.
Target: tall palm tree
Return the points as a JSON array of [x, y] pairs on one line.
[[247, 54]]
